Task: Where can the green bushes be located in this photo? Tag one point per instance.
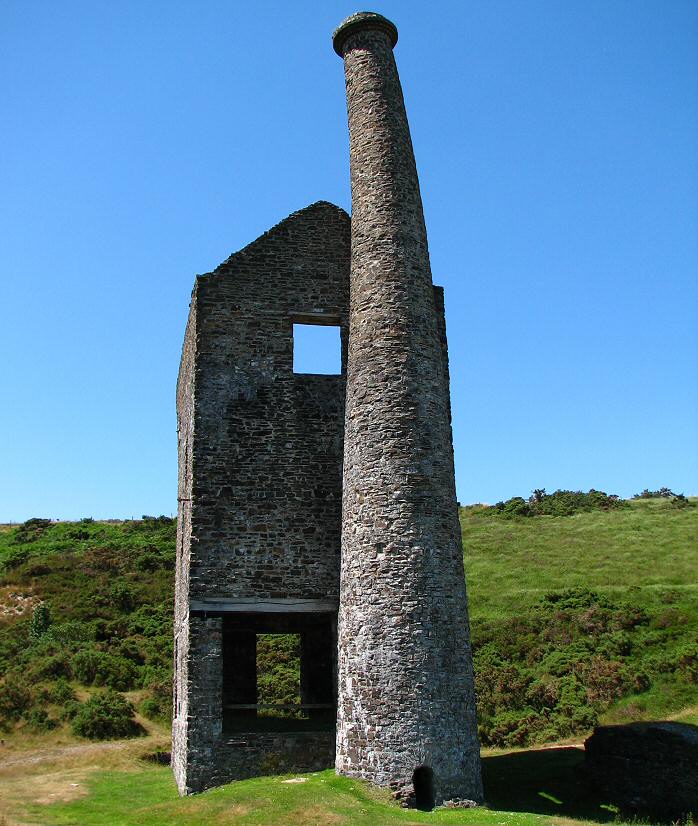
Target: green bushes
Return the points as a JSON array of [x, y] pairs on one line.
[[31, 530], [278, 668], [60, 693], [662, 493], [15, 700], [678, 500], [560, 503], [41, 621], [122, 597], [104, 620], [39, 720], [552, 672], [94, 667], [107, 715], [14, 557], [159, 705], [105, 616], [543, 672]]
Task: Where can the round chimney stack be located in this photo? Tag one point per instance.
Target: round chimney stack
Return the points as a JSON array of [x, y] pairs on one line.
[[362, 21], [406, 707]]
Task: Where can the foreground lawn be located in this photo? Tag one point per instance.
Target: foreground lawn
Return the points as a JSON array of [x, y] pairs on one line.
[[112, 787]]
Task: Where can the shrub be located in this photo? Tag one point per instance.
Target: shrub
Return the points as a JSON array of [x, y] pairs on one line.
[[85, 665], [515, 506], [560, 503], [153, 676], [551, 672], [603, 681], [93, 667], [41, 621], [15, 700], [159, 520], [60, 693], [70, 709], [31, 530], [50, 667], [680, 501], [15, 558], [150, 621], [38, 720], [154, 558], [687, 662], [69, 633], [105, 716], [662, 493], [122, 597], [159, 705]]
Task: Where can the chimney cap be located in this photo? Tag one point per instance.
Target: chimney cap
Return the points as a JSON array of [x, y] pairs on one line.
[[362, 21]]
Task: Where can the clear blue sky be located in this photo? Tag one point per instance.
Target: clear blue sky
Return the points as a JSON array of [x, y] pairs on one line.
[[557, 145]]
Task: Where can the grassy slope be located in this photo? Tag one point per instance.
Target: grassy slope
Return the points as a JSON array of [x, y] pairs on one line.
[[648, 552], [649, 546], [646, 555], [108, 785]]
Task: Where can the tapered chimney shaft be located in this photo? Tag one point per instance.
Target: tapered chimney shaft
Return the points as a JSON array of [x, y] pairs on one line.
[[406, 712]]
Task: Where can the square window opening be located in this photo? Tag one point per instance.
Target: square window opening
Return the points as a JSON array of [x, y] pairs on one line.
[[317, 349]]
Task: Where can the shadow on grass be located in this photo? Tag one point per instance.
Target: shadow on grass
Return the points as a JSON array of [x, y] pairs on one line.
[[544, 781]]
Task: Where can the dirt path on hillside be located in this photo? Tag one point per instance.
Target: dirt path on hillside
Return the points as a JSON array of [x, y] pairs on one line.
[[65, 751]]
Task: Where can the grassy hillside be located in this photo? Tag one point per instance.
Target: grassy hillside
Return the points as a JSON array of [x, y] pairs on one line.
[[84, 606], [575, 619], [646, 548], [582, 619]]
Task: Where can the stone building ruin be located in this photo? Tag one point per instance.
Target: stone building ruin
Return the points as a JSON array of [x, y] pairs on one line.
[[324, 505]]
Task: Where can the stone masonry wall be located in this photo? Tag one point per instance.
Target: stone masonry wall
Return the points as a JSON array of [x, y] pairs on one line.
[[406, 695], [268, 448], [185, 442], [649, 769], [260, 451]]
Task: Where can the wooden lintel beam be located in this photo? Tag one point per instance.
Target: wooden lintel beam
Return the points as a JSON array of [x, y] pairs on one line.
[[264, 606]]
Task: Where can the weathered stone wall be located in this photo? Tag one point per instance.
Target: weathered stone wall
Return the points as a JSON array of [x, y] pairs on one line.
[[648, 769], [185, 442], [268, 448], [260, 451], [406, 696]]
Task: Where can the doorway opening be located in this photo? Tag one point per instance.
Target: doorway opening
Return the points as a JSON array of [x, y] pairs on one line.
[[423, 784]]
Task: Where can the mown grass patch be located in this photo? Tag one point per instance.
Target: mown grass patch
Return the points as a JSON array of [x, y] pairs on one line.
[[528, 789]]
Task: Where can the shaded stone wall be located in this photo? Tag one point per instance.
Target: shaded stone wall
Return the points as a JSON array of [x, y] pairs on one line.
[[646, 768], [406, 696], [260, 454]]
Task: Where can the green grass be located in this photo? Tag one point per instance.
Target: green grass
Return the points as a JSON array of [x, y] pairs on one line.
[[110, 588], [649, 546], [524, 789], [624, 649]]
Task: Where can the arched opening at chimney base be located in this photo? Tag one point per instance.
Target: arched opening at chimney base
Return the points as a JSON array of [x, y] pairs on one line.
[[423, 784]]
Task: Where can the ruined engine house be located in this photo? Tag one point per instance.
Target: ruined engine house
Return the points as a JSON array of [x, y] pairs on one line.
[[323, 506]]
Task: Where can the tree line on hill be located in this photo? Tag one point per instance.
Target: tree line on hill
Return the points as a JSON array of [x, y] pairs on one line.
[[568, 503]]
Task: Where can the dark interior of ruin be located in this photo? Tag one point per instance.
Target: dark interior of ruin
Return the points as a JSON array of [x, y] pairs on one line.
[[308, 706]]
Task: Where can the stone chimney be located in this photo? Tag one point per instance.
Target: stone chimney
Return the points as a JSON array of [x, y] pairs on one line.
[[406, 707]]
